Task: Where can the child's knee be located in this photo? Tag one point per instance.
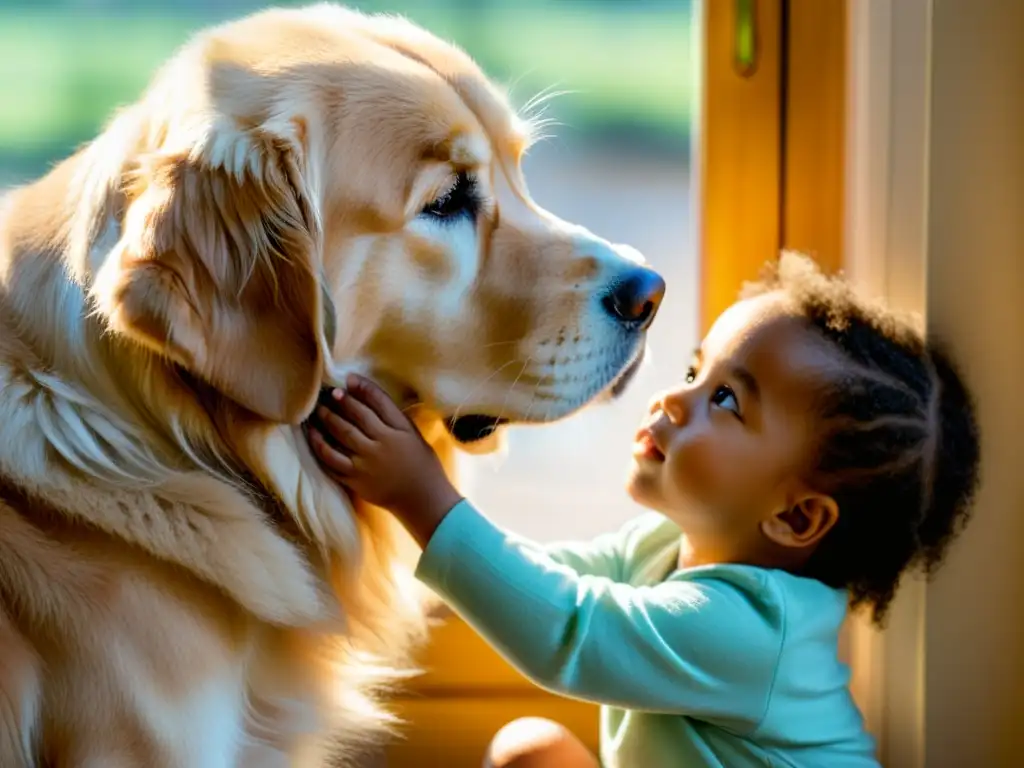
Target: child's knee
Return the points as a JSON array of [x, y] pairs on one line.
[[533, 742]]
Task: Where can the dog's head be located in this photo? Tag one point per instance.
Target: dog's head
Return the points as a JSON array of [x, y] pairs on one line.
[[327, 191]]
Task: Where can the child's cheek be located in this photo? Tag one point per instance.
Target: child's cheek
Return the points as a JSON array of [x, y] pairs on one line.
[[696, 474]]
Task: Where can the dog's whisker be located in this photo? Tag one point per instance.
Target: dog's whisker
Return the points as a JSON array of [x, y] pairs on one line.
[[533, 399], [512, 386], [544, 96], [547, 411], [480, 385], [493, 344], [512, 86]]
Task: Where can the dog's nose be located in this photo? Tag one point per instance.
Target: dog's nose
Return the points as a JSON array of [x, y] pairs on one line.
[[634, 298]]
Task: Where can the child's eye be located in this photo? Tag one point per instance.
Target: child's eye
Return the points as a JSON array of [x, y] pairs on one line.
[[725, 398], [691, 374]]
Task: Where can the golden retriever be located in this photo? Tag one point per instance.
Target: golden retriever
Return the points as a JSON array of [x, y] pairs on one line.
[[298, 194]]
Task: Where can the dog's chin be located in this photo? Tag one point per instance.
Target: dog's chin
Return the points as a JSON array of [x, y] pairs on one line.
[[477, 433]]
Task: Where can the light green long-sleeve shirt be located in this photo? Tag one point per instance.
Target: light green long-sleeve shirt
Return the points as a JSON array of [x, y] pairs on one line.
[[724, 665]]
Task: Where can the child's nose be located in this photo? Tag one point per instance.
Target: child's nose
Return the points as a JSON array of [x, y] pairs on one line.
[[675, 407]]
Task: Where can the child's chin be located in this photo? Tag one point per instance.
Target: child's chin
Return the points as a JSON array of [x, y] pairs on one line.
[[642, 485]]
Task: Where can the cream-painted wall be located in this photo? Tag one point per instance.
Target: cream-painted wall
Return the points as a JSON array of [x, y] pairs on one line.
[[936, 222], [889, 55], [974, 612]]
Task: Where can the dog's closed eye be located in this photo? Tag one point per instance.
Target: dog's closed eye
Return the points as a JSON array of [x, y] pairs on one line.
[[462, 199]]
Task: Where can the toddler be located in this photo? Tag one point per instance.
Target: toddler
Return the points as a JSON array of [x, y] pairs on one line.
[[818, 450]]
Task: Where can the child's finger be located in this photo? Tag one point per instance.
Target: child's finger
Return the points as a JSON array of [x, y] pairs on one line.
[[333, 459], [358, 413], [378, 401], [347, 434]]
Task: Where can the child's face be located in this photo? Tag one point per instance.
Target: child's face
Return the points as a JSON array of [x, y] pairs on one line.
[[723, 453]]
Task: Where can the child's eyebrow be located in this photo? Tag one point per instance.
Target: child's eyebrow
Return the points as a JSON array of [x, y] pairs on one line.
[[738, 372], [747, 381]]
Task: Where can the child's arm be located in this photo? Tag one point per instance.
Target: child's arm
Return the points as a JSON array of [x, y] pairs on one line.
[[708, 649], [605, 554], [601, 556]]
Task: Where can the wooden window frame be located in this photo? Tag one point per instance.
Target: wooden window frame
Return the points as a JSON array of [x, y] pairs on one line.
[[772, 143]]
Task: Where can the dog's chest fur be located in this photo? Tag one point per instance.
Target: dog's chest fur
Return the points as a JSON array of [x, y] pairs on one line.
[[118, 659]]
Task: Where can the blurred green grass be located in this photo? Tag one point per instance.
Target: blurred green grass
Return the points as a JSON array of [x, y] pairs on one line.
[[628, 67]]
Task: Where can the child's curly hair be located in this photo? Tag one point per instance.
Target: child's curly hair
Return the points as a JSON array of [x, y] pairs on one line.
[[899, 449]]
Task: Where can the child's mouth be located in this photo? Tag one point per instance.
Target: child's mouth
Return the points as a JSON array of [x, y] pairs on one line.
[[644, 447]]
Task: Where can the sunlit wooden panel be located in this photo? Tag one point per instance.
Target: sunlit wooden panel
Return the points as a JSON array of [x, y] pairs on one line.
[[739, 147]]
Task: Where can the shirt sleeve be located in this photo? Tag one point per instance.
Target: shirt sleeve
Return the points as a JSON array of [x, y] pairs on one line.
[[707, 648], [603, 555]]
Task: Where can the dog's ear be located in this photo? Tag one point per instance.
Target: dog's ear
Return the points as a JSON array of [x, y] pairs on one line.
[[218, 267]]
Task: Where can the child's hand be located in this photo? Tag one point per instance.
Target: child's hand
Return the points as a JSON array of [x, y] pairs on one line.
[[383, 458]]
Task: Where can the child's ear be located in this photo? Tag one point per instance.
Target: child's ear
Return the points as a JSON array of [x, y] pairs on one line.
[[804, 523]]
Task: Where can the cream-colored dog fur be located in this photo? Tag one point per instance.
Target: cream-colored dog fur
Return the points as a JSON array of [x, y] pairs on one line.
[[180, 585]]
